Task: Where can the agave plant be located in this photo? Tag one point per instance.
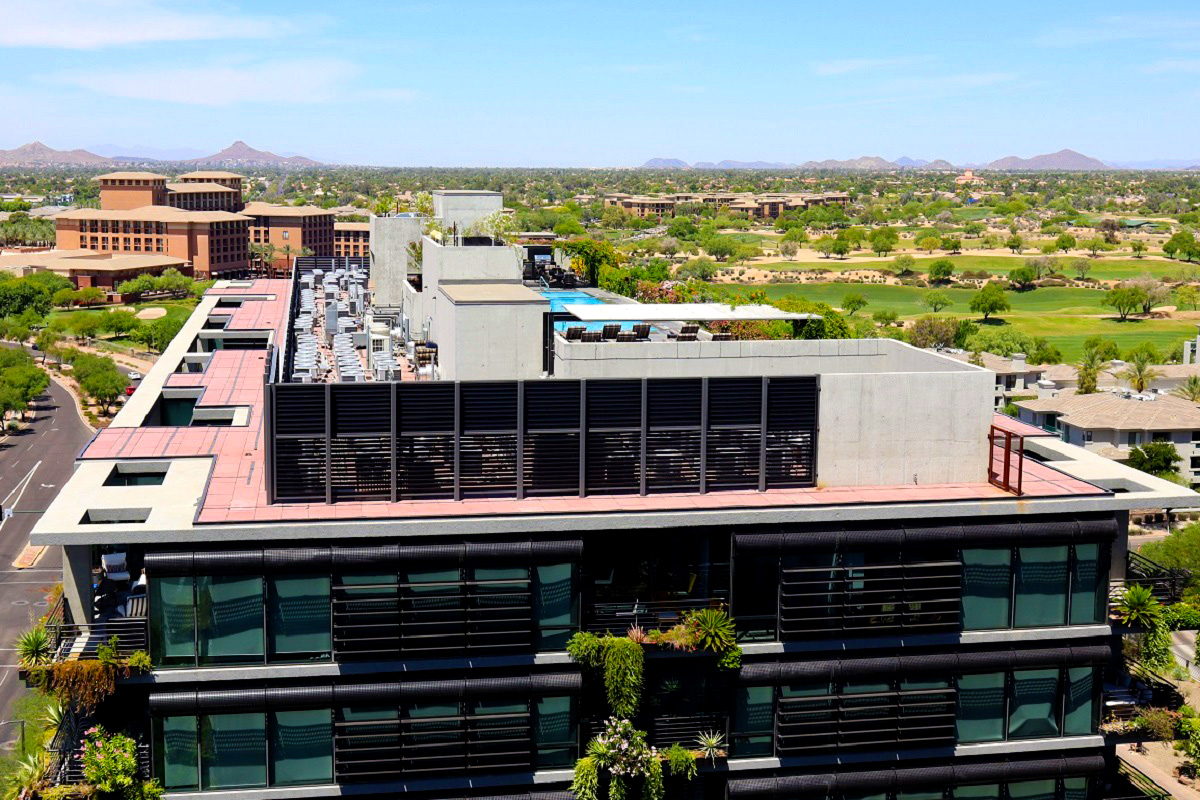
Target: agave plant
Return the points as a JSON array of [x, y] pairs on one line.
[[33, 647], [714, 629], [711, 745], [27, 775], [1138, 606]]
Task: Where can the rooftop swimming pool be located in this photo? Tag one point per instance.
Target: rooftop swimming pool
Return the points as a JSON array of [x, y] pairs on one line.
[[560, 299]]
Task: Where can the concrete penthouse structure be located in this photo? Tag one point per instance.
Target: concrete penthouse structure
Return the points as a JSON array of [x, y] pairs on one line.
[[763, 206], [292, 230], [356, 530]]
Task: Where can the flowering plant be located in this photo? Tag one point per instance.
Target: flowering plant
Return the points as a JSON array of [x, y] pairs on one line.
[[109, 761], [622, 749]]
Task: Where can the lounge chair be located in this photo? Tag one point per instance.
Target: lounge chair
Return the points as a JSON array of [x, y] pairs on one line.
[[690, 328], [575, 333], [626, 336], [611, 329], [642, 330], [722, 337], [686, 337], [592, 336]]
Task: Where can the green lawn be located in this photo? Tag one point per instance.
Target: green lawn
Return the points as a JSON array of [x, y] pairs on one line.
[[1065, 316], [1109, 268]]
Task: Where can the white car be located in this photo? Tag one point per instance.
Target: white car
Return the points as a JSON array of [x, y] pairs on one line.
[[134, 375]]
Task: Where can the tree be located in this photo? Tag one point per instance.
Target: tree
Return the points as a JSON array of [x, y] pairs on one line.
[[105, 385], [853, 302], [929, 243], [931, 331], [989, 300], [904, 264], [788, 249], [1181, 244], [1153, 291], [824, 246], [1015, 243], [63, 298], [883, 241], [1064, 242], [668, 246], [46, 341], [885, 317], [703, 269], [158, 334], [1179, 550], [1187, 295], [797, 235], [840, 247], [1138, 247], [1157, 458], [941, 270], [1189, 389], [936, 300], [952, 244], [1124, 300], [1022, 277], [1096, 245], [1105, 349], [1088, 372], [119, 322], [1082, 267], [1140, 374], [567, 225], [592, 255], [720, 247]]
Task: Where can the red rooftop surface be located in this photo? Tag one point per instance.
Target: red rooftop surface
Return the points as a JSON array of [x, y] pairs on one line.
[[236, 492], [1015, 426]]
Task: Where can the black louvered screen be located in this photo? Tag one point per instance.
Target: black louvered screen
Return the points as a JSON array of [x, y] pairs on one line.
[[425, 441], [542, 438], [791, 432], [614, 437]]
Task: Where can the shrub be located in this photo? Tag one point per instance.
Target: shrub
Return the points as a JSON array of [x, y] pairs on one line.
[[731, 659], [1138, 606], [681, 761], [1181, 617], [1159, 723], [110, 761], [139, 661], [714, 629], [33, 647], [623, 668]]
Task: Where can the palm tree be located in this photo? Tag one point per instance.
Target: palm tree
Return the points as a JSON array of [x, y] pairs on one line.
[[287, 251], [1089, 369], [1139, 607], [1189, 389], [1140, 373]]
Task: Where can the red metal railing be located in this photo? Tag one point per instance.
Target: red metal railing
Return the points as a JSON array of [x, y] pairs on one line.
[[1006, 463]]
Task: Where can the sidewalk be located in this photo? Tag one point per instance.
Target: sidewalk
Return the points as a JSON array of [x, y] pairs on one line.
[[1166, 781]]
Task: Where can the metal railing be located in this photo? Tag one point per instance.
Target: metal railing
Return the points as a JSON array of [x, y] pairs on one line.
[[80, 641], [1141, 781], [618, 617], [1004, 471], [665, 731], [1167, 583]]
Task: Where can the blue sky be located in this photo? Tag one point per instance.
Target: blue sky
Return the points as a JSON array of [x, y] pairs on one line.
[[599, 84]]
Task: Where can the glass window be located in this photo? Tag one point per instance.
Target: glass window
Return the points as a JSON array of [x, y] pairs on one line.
[[1086, 595], [1075, 788], [298, 611], [554, 732], [756, 597], [981, 707], [555, 605], [229, 612], [1041, 587], [979, 791], [233, 751], [179, 768], [1032, 790], [172, 621], [987, 589], [753, 721], [1033, 713], [1081, 706], [301, 747], [920, 794]]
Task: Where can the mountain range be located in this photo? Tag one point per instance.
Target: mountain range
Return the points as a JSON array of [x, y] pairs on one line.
[[1063, 160], [238, 154]]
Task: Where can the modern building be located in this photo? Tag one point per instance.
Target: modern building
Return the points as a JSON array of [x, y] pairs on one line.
[[1113, 422], [763, 206], [85, 268], [355, 541], [292, 230], [351, 239], [215, 243]]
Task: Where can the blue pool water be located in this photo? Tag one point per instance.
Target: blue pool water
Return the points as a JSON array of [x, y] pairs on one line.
[[560, 299]]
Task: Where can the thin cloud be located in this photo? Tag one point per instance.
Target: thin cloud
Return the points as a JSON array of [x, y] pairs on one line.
[[1173, 65], [94, 24], [1119, 29], [949, 84], [290, 81], [843, 66]]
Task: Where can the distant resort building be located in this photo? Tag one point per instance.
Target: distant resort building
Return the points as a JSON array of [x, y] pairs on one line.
[[968, 176], [759, 206]]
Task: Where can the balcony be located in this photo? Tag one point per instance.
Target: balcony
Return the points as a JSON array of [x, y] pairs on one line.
[[1166, 583], [618, 617], [1136, 687], [72, 641]]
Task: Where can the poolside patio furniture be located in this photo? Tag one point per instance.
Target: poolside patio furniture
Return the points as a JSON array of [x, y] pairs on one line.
[[611, 330], [575, 333], [689, 328], [642, 330], [626, 336], [722, 337], [592, 336]]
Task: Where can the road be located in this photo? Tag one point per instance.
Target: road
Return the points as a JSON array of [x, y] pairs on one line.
[[34, 464]]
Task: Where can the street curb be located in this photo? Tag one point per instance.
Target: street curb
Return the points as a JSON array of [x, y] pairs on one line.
[[74, 397]]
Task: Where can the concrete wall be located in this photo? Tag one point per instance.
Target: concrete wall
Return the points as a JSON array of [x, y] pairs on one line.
[[390, 238], [461, 210], [790, 357], [891, 429], [489, 341]]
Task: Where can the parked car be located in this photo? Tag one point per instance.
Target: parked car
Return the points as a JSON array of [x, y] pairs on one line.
[[134, 375], [129, 390]]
